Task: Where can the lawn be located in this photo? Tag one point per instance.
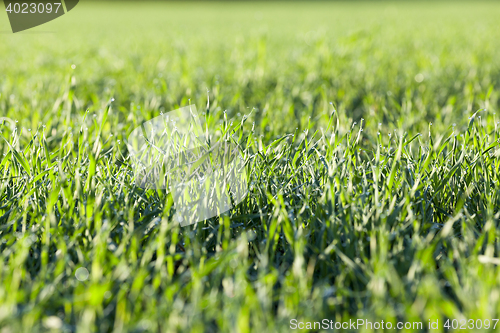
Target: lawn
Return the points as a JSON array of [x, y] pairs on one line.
[[369, 135]]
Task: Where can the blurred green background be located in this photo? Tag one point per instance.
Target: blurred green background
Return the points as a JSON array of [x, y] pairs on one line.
[[284, 59]]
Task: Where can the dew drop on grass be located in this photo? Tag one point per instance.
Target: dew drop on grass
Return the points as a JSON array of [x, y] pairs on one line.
[[419, 77], [82, 274]]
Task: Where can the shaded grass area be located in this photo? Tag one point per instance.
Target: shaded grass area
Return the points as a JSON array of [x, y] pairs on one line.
[[370, 136]]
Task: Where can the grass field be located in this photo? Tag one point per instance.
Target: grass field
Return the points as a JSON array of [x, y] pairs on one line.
[[370, 135]]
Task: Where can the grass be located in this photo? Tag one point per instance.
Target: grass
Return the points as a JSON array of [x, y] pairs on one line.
[[370, 136]]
